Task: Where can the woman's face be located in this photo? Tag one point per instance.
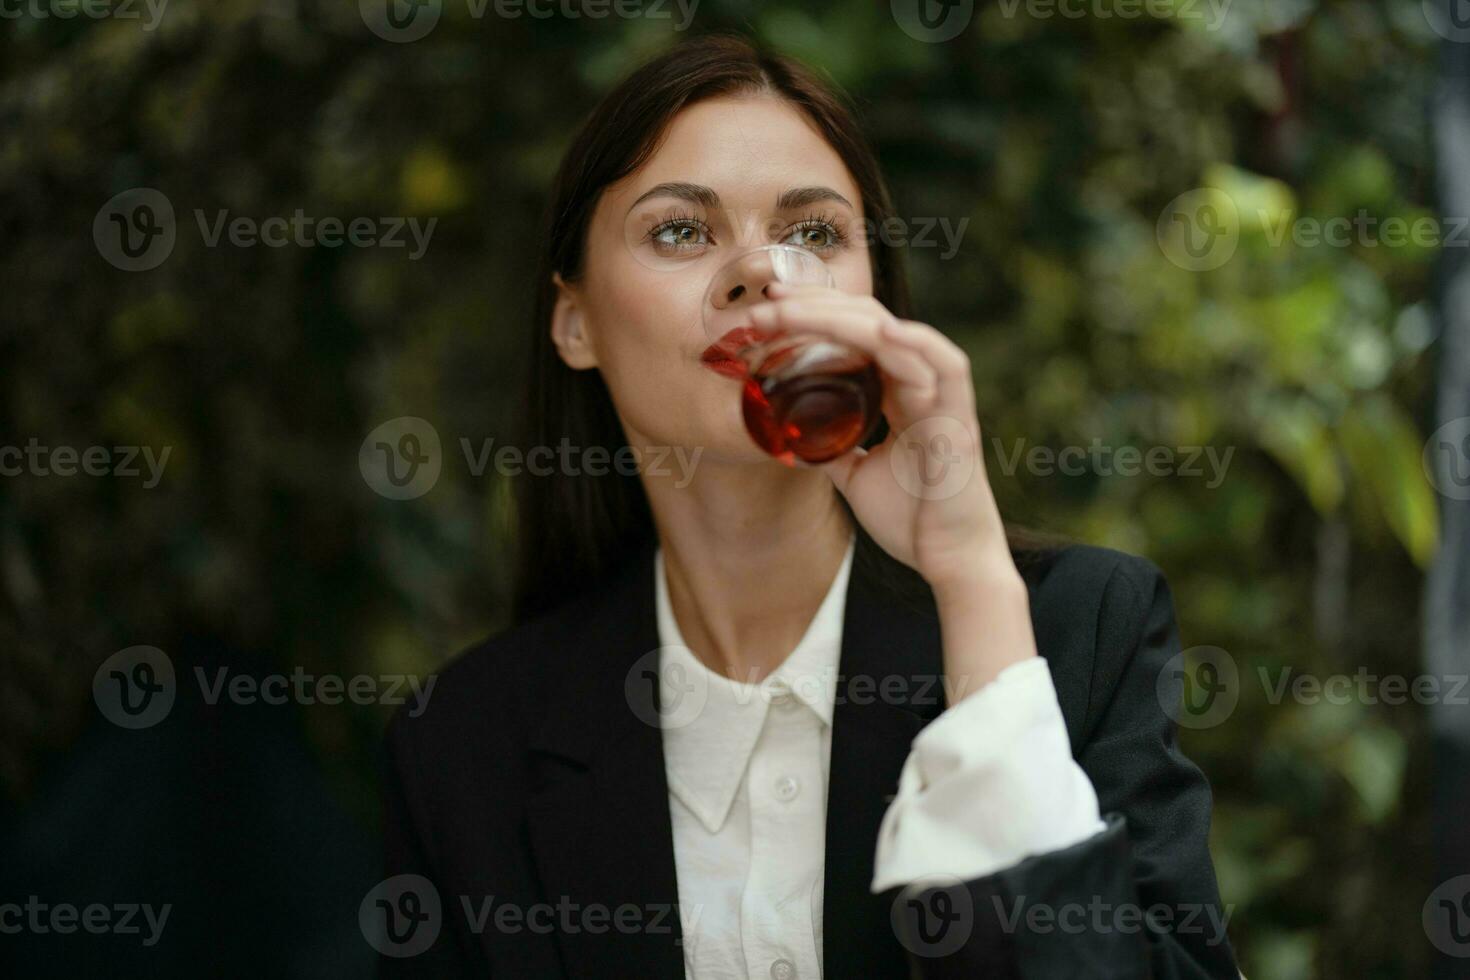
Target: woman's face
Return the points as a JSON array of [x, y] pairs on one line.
[[730, 174]]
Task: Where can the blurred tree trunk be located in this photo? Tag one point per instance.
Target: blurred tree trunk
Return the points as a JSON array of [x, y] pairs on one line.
[[1447, 602]]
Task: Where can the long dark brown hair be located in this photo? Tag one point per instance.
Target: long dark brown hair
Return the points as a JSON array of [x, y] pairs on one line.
[[571, 530]]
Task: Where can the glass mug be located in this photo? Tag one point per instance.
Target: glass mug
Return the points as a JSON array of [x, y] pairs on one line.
[[804, 396]]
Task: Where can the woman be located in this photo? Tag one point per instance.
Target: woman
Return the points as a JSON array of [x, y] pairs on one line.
[[766, 721]]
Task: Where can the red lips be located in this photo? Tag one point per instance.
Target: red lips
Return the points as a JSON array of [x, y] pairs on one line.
[[723, 356]]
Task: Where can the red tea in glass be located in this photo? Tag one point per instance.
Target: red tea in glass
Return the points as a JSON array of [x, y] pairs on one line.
[[803, 396], [812, 400]]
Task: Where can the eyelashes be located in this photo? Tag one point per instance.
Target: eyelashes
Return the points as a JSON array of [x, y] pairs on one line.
[[678, 223], [684, 233], [828, 225]]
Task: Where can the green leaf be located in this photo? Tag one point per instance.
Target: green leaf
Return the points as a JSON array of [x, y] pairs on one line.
[[1297, 437], [1383, 448]]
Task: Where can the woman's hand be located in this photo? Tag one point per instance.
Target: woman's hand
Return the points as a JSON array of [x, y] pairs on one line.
[[923, 493]]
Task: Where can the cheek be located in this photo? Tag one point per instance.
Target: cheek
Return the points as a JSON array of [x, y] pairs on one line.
[[648, 335], [853, 272], [645, 321]]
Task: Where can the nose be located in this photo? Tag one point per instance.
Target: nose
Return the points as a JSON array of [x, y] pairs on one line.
[[739, 290], [746, 280]]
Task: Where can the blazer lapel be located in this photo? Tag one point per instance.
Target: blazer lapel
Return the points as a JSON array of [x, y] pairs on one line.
[[890, 685], [598, 809]]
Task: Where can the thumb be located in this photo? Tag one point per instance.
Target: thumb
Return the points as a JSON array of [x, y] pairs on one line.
[[840, 469]]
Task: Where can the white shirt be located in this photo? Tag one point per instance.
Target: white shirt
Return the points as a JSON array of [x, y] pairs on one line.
[[987, 783]]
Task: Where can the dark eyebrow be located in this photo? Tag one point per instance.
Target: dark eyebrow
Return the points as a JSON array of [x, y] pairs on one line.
[[694, 193], [797, 197], [800, 197]]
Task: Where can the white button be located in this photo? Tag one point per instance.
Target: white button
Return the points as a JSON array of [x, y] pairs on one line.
[[783, 970], [787, 787], [779, 693]]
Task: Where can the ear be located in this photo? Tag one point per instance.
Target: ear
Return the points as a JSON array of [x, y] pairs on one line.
[[567, 331]]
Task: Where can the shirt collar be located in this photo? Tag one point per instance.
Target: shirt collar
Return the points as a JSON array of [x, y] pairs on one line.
[[711, 723]]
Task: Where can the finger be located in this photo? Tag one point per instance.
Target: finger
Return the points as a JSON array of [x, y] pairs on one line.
[[775, 289], [840, 469], [949, 361]]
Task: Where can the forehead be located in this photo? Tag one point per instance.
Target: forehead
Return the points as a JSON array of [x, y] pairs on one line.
[[747, 149]]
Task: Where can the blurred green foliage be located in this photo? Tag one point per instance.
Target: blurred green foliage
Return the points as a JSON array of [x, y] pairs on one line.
[[1061, 140]]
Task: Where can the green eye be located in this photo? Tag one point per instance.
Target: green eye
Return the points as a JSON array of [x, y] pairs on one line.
[[817, 235], [679, 234]]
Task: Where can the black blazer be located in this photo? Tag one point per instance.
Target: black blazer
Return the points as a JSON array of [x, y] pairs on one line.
[[534, 775]]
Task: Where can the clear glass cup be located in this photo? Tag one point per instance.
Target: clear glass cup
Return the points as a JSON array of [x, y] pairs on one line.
[[803, 396]]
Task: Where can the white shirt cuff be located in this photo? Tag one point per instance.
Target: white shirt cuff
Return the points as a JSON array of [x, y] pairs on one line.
[[988, 783]]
